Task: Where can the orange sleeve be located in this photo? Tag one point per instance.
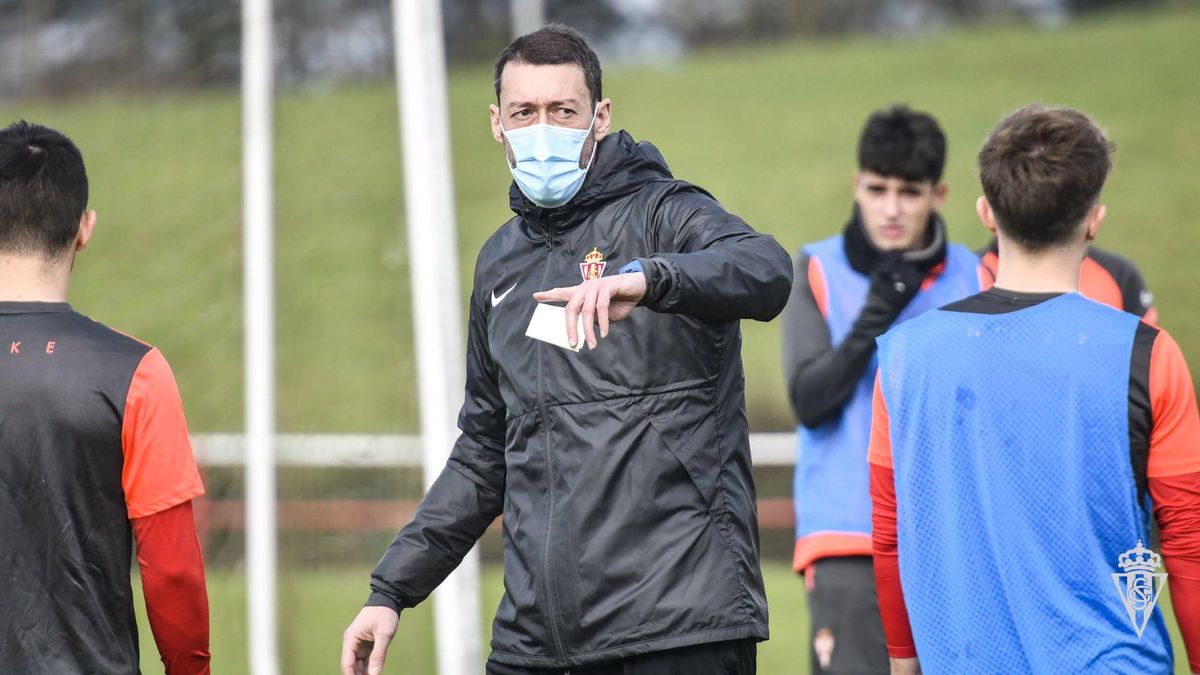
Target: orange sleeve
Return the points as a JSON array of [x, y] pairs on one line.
[[886, 558], [816, 282], [1177, 508], [880, 450], [1151, 316], [1097, 283], [987, 270], [160, 469], [1175, 435], [172, 571]]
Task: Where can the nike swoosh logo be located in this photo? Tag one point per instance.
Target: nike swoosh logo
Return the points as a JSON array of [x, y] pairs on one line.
[[497, 299]]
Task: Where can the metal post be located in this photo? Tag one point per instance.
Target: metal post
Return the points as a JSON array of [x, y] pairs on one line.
[[259, 298], [429, 198], [527, 16]]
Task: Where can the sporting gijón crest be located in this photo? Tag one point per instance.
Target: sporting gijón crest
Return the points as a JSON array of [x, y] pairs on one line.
[[593, 264]]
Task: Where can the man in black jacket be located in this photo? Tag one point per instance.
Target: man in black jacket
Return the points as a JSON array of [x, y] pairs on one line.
[[622, 471]]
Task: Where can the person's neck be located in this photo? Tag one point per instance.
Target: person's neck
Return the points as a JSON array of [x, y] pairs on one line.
[[1053, 270], [33, 279]]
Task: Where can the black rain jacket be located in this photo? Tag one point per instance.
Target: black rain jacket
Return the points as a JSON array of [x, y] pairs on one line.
[[623, 474]]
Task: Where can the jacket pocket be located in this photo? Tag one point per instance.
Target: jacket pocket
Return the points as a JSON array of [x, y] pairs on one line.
[[637, 552], [685, 423]]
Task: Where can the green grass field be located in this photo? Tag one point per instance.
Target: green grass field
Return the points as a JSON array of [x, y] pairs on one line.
[[316, 606], [769, 130]]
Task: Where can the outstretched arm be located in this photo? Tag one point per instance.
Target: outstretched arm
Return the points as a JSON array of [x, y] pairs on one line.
[[710, 264]]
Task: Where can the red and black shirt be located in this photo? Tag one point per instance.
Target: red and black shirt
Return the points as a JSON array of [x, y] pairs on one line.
[[92, 439]]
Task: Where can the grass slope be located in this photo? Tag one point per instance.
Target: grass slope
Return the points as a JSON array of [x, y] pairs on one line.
[[770, 131]]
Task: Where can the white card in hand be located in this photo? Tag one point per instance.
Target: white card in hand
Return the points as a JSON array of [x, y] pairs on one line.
[[549, 324]]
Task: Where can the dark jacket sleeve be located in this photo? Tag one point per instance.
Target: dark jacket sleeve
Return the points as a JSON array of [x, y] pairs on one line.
[[465, 498], [820, 377], [710, 264]]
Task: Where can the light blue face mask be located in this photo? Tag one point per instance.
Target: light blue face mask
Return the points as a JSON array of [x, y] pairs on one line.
[[547, 157]]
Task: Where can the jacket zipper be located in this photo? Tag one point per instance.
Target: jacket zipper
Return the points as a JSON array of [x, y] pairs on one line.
[[551, 599]]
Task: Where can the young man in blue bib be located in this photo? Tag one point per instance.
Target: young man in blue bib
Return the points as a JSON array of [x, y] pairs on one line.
[[890, 263], [1022, 439]]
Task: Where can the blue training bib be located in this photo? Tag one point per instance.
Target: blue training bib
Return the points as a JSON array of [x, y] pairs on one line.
[[1015, 491]]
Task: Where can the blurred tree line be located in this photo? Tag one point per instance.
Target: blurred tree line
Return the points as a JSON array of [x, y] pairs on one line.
[[57, 47]]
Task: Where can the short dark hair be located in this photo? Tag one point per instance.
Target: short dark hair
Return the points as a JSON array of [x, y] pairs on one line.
[[903, 143], [43, 190], [1041, 169], [551, 45]]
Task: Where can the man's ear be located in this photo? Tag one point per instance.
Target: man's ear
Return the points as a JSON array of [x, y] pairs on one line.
[[940, 190], [600, 128], [603, 119], [87, 223], [1094, 219], [856, 187], [986, 216], [497, 132]]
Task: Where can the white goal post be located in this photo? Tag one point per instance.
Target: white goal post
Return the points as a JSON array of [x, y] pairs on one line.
[[433, 278], [424, 125], [258, 273]]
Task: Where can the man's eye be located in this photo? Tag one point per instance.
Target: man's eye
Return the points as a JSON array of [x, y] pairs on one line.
[[875, 189], [521, 114], [910, 192]]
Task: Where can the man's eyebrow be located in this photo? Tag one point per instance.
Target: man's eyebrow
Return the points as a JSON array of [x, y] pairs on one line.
[[568, 102]]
